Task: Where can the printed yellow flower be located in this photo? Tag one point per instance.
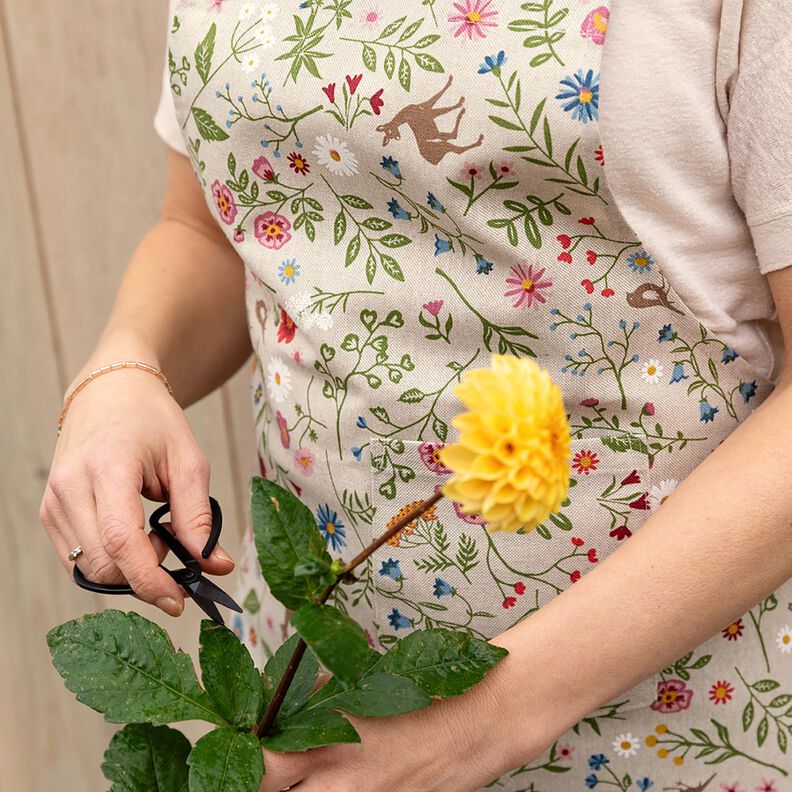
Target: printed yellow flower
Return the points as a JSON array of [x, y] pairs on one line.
[[511, 464]]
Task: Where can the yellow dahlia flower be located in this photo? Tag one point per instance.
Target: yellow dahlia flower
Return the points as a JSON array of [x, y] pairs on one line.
[[511, 464]]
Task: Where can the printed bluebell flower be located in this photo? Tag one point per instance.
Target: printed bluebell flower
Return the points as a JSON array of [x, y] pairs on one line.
[[357, 452], [748, 389], [644, 783], [667, 333], [729, 354], [392, 166], [640, 261], [258, 394], [441, 245], [398, 620], [492, 63], [483, 267], [434, 203], [289, 271], [678, 374], [591, 781], [707, 411], [623, 324], [586, 306], [361, 422], [582, 93], [238, 627], [441, 588], [331, 527], [396, 209], [596, 761], [391, 569]]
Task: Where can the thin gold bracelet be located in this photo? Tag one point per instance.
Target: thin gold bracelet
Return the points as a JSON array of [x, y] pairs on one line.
[[103, 370]]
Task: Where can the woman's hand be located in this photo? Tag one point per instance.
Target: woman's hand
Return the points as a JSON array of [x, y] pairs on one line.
[[124, 435], [457, 744]]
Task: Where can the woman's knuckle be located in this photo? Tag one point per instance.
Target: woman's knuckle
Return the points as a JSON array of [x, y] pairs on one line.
[[61, 480], [103, 568], [115, 537]]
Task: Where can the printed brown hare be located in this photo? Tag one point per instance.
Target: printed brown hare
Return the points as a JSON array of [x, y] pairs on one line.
[[433, 144]]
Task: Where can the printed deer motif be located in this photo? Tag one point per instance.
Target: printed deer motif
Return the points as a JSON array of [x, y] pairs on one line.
[[433, 144], [682, 787], [648, 294]]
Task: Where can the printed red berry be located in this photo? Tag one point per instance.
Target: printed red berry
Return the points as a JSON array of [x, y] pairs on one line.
[[591, 256], [519, 587], [565, 240], [608, 292], [586, 220], [509, 602], [575, 576], [577, 541], [565, 257], [592, 556], [587, 285]]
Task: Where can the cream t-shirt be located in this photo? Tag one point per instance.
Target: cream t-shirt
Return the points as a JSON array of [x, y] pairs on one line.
[[694, 102]]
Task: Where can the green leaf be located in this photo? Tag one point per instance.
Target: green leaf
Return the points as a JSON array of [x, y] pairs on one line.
[[203, 54], [226, 760], [441, 662], [761, 732], [353, 248], [392, 267], [338, 641], [391, 28], [339, 227], [765, 685], [311, 729], [146, 758], [303, 681], [379, 695], [125, 666], [285, 534], [369, 57], [389, 64], [229, 675], [207, 126], [356, 201], [502, 122], [405, 73], [748, 716], [395, 240], [428, 62]]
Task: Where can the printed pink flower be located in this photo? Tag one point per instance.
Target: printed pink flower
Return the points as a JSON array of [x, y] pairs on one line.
[[371, 17], [471, 170], [239, 235], [283, 428], [263, 169], [649, 408], [767, 786], [353, 82], [304, 461], [433, 307], [590, 402], [429, 456], [564, 750], [528, 285], [329, 92], [503, 168], [473, 18], [375, 100], [595, 25], [272, 230], [672, 696], [224, 201]]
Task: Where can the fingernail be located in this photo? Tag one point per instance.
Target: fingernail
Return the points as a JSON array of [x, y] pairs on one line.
[[221, 555], [170, 606]]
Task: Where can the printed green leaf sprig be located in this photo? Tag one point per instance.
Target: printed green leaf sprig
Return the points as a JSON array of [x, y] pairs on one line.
[[126, 667]]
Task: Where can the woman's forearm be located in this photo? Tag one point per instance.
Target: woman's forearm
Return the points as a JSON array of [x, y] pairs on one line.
[[181, 303], [719, 544]]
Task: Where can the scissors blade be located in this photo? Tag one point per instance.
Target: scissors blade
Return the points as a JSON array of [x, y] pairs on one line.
[[209, 591]]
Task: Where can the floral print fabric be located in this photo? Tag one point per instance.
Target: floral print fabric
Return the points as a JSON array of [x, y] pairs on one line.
[[413, 187]]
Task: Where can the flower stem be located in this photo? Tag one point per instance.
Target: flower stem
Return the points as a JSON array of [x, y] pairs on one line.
[[263, 727]]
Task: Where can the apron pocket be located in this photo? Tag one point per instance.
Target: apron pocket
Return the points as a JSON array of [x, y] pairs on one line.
[[446, 570]]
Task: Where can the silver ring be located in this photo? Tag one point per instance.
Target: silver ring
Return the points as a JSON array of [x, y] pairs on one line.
[[74, 553]]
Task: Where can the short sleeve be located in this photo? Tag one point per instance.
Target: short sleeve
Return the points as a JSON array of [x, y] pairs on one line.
[[166, 123], [759, 141]]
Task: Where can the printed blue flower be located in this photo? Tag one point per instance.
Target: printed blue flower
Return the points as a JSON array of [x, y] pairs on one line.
[[395, 208], [707, 411], [640, 261], [483, 267], [441, 245], [289, 271], [596, 761], [331, 527], [237, 626], [582, 91], [357, 452], [748, 389], [678, 374], [441, 588], [361, 422], [391, 569], [398, 621], [666, 334], [434, 203], [591, 781], [392, 166], [644, 783], [729, 354], [492, 63]]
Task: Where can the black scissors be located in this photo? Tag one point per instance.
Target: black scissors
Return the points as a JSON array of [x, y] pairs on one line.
[[191, 578]]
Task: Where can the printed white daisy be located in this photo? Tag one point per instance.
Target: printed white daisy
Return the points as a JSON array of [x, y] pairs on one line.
[[322, 320], [784, 639], [270, 11], [626, 745], [659, 492], [652, 370], [265, 36], [248, 12], [298, 304], [278, 380], [335, 156], [250, 62]]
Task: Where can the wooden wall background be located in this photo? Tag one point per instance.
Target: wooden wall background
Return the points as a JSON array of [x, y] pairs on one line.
[[82, 174]]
